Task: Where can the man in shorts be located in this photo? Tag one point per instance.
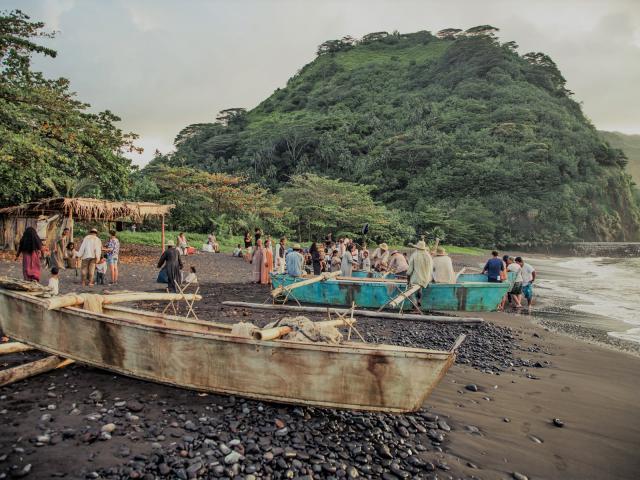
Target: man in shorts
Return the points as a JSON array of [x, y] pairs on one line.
[[516, 291], [528, 277]]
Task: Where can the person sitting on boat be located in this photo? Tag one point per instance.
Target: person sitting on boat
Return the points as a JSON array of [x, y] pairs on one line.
[[398, 264], [443, 267], [295, 262], [420, 269], [380, 258], [172, 262], [348, 262]]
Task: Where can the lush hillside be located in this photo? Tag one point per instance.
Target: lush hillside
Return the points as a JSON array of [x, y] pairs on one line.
[[630, 145], [460, 132]]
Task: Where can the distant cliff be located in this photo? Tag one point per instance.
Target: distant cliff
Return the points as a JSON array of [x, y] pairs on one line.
[[630, 145]]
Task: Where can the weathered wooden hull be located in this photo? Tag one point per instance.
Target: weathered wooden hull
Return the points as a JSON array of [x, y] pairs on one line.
[[468, 296], [204, 356]]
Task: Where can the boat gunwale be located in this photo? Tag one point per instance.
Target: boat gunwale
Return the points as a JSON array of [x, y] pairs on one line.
[[393, 281], [345, 348]]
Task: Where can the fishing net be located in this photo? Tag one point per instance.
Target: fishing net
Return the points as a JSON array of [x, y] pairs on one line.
[[305, 330]]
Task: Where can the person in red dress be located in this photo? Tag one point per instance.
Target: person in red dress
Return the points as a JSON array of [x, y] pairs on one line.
[[31, 250]]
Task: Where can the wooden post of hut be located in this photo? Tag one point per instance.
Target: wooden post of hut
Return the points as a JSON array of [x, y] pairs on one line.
[[163, 233]]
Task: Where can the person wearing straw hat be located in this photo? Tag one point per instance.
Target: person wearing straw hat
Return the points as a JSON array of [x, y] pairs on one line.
[[89, 252], [398, 264], [420, 267], [443, 267], [380, 258], [295, 261]]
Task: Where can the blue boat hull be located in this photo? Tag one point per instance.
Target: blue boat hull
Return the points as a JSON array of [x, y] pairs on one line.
[[469, 296], [462, 278]]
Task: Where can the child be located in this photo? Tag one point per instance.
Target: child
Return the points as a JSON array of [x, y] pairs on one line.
[[191, 277], [335, 261], [237, 252], [101, 270], [72, 257], [54, 281]]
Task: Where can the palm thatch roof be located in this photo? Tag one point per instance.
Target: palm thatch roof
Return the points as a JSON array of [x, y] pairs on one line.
[[89, 209]]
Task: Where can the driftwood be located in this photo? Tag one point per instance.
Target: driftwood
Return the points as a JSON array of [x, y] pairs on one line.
[[15, 374], [361, 313], [14, 347], [277, 332], [22, 285], [276, 292], [79, 299]]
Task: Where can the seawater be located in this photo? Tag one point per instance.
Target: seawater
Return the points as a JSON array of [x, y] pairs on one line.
[[597, 287]]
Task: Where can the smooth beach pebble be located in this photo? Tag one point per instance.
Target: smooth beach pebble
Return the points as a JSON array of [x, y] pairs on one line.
[[519, 476], [558, 423], [472, 387]]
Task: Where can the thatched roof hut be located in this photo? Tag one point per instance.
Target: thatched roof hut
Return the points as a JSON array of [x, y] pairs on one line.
[[14, 220]]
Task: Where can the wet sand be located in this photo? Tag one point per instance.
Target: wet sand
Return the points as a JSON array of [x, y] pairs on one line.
[[504, 427]]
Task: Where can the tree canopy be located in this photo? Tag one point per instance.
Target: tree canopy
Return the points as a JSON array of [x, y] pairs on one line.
[[45, 131], [456, 129]]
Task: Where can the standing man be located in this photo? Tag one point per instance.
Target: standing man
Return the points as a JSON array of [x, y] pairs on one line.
[[528, 277], [494, 268], [89, 253], [420, 268], [295, 262]]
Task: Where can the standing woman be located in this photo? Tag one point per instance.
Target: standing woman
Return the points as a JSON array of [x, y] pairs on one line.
[[257, 260], [316, 259], [265, 277], [247, 245], [31, 250], [113, 252], [59, 249], [173, 264]]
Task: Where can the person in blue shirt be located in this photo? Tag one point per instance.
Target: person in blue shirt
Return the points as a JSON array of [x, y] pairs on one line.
[[295, 262], [494, 268]]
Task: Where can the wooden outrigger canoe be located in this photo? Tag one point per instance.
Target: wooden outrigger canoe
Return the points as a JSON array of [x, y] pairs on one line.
[[374, 293], [204, 356], [462, 278]]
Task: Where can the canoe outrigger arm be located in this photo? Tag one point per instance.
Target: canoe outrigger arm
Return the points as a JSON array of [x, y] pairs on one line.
[[456, 345]]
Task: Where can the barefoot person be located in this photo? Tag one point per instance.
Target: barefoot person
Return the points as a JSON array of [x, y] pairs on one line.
[[265, 275], [528, 277], [89, 253], [31, 250], [113, 252], [258, 259], [420, 268]]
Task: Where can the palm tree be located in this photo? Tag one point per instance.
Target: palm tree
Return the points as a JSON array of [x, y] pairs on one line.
[[70, 187]]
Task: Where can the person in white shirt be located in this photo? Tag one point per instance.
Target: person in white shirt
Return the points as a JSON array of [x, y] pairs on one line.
[[516, 290], [528, 274], [54, 281], [191, 276], [89, 253], [443, 267]]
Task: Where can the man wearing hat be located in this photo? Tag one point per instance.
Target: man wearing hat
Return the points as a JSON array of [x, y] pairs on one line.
[[398, 264], [295, 261], [420, 267], [443, 267], [380, 258], [89, 253]]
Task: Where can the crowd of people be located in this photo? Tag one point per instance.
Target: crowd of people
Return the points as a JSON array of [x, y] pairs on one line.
[[522, 275], [92, 257]]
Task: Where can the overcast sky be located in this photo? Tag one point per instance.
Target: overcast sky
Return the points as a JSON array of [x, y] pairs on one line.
[[164, 64]]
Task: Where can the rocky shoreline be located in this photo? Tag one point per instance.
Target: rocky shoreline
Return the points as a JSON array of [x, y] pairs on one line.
[[82, 422]]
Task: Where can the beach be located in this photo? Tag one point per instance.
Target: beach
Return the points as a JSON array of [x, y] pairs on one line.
[[492, 416]]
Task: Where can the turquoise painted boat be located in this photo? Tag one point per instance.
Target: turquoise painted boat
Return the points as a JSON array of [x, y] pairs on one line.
[[462, 278], [467, 296]]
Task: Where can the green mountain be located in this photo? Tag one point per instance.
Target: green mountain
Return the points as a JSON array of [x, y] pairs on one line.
[[630, 145], [465, 136]]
